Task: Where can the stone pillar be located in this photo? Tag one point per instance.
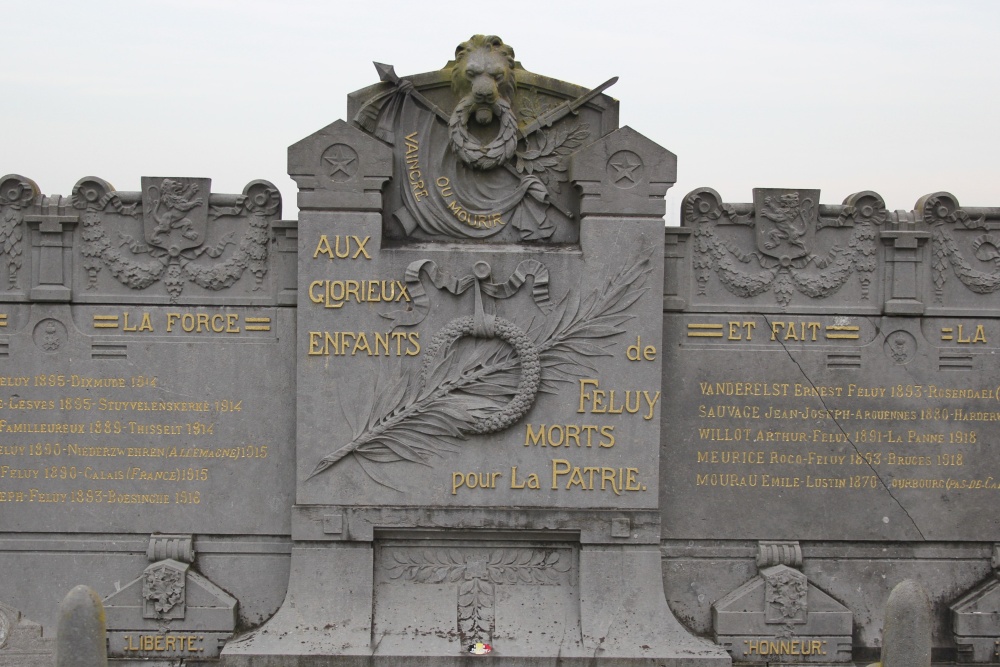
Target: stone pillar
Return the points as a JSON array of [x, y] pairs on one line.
[[906, 632], [902, 257], [80, 640], [52, 245]]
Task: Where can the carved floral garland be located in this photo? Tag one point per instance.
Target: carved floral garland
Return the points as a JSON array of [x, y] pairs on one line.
[[946, 252], [712, 254], [477, 578], [15, 195], [100, 250]]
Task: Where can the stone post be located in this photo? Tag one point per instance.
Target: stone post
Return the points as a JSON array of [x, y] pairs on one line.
[[80, 639], [906, 632]]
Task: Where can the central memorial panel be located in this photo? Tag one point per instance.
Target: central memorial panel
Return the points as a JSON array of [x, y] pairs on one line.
[[479, 362]]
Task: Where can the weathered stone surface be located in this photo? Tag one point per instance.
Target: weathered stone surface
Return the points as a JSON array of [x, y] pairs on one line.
[[478, 408], [143, 335], [974, 618], [22, 642], [81, 640], [882, 413], [833, 373], [442, 409], [906, 633]]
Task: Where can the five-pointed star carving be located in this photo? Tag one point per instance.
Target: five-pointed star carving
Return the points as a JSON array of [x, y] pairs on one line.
[[625, 169], [339, 161]]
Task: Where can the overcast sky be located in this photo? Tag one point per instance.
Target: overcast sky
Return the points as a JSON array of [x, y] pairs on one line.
[[896, 97]]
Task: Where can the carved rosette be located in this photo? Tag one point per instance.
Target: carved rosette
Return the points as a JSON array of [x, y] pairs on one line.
[[16, 194], [477, 574], [784, 259], [175, 218], [942, 213]]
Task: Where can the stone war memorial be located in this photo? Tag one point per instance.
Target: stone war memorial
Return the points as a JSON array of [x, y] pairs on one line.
[[477, 403]]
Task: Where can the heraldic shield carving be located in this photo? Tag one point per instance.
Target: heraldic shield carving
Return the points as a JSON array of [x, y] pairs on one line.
[[482, 154]]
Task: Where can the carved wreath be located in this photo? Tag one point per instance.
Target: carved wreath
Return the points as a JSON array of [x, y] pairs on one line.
[[488, 385]]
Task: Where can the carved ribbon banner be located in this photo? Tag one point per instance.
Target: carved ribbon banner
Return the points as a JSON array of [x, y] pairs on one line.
[[457, 285]]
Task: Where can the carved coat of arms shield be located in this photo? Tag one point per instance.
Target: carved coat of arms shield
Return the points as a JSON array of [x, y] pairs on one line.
[[785, 221], [175, 212]]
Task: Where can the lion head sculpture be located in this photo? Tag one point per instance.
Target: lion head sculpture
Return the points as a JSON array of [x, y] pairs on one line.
[[483, 69], [482, 76]]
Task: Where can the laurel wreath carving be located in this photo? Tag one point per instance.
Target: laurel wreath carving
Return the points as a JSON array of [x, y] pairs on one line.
[[485, 384], [545, 151], [473, 152]]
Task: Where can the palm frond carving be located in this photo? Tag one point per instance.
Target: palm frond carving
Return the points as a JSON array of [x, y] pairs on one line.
[[418, 415]]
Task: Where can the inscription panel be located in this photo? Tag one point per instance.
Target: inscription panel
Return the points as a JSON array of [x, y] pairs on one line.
[[874, 429], [142, 419], [485, 379]]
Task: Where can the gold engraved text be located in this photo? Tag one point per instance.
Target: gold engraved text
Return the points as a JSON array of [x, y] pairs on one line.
[[373, 344], [600, 401], [334, 293]]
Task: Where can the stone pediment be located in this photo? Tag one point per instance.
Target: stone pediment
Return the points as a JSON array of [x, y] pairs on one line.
[[778, 616], [975, 621], [977, 613], [745, 610], [153, 600]]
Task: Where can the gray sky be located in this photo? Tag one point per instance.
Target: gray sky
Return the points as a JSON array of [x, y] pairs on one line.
[[896, 97]]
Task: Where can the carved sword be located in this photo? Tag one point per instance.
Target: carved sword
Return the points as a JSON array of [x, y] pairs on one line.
[[565, 109], [387, 73]]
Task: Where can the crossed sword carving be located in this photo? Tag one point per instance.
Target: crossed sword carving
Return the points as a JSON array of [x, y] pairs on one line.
[[387, 73]]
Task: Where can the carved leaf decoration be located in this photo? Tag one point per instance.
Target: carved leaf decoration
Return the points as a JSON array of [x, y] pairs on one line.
[[783, 289], [827, 281], [947, 253], [546, 150], [414, 420]]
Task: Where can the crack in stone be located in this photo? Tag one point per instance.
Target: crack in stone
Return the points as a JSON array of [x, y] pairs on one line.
[[841, 428]]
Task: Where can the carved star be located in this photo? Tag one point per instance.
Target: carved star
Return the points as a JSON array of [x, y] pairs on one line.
[[625, 169], [339, 159]]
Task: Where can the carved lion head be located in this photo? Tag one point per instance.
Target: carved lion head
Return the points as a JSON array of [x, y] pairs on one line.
[[482, 73]]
